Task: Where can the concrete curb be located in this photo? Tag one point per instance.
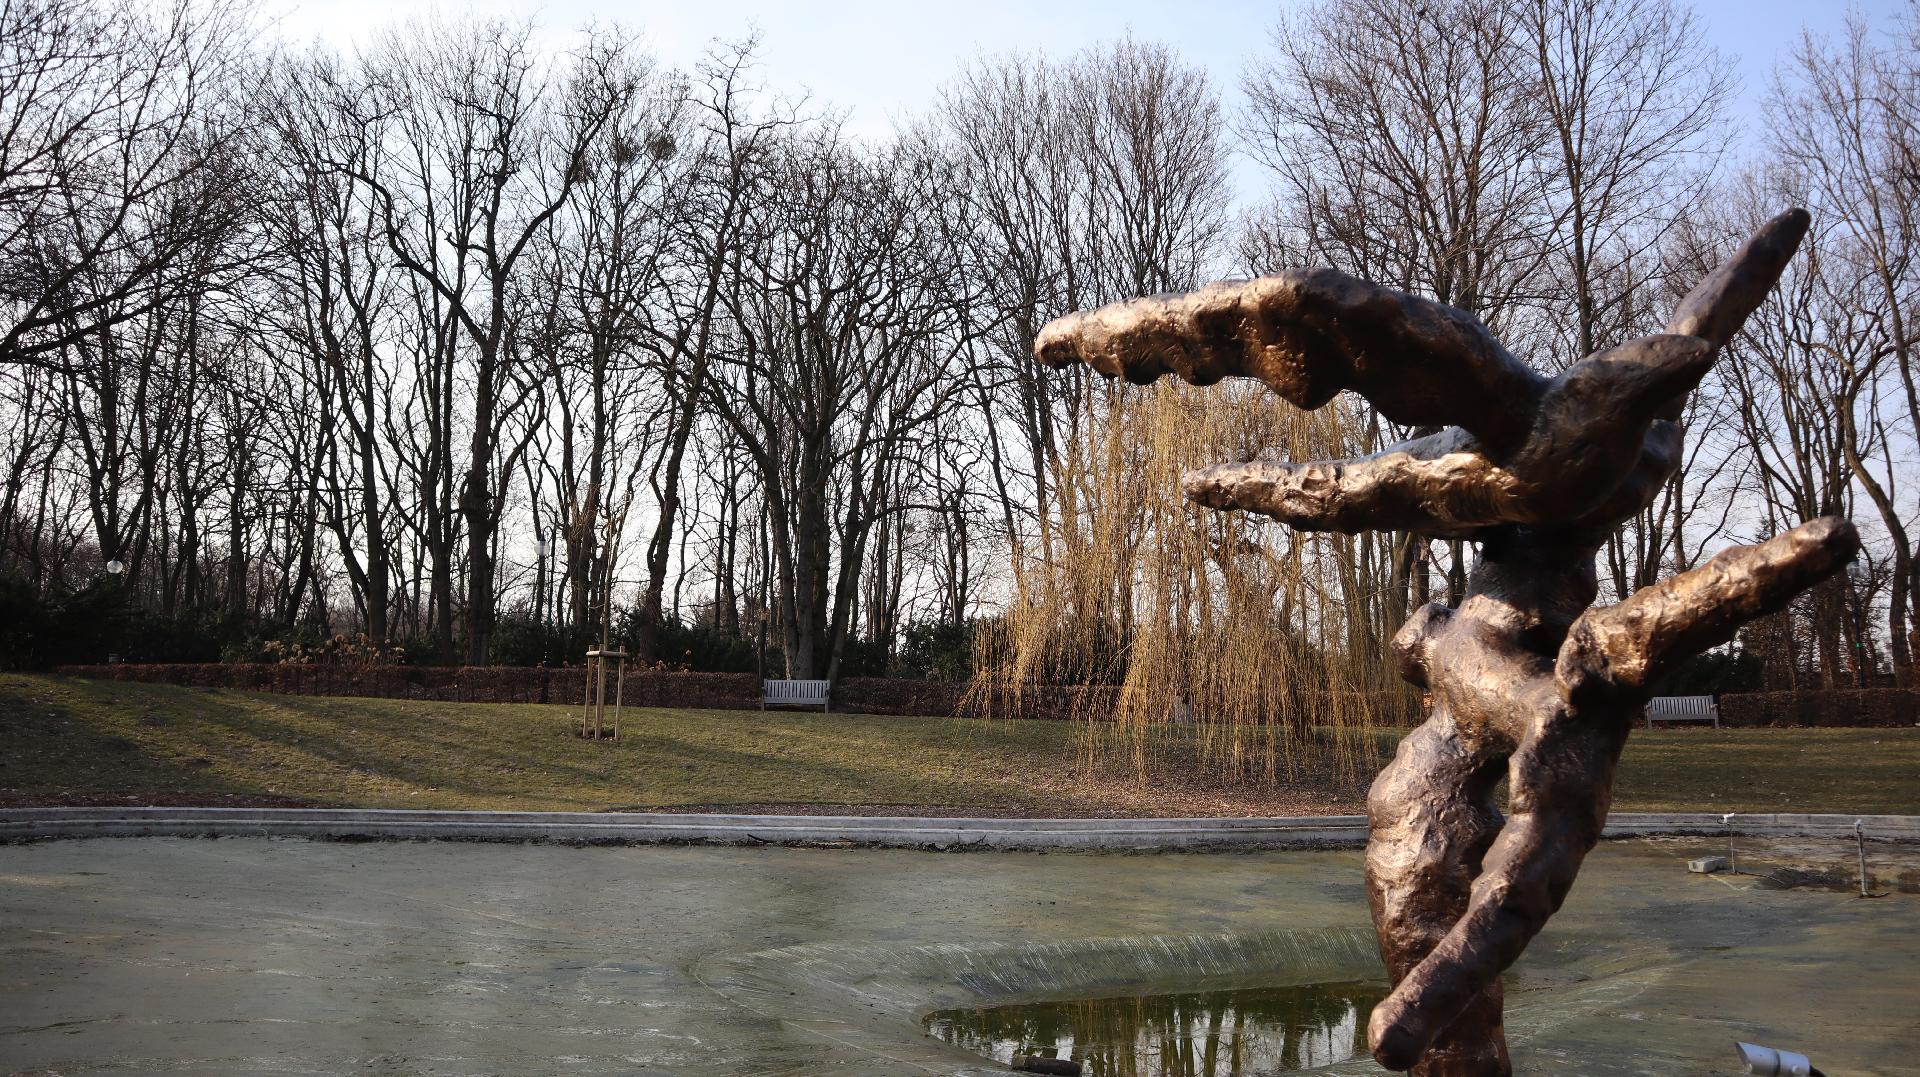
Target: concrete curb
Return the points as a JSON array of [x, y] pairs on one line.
[[634, 828]]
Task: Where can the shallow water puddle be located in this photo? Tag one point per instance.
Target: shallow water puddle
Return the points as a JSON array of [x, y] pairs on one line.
[[1249, 1032]]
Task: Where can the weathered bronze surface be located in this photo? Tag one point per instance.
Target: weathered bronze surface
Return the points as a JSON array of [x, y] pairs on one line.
[[1527, 681]]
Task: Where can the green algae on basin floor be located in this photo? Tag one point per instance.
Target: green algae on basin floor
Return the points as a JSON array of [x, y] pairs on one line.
[[1249, 1032], [249, 955]]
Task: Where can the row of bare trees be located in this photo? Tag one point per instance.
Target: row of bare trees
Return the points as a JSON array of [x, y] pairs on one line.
[[1565, 170], [490, 349]]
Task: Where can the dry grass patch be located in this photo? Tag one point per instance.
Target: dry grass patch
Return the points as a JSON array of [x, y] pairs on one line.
[[74, 741]]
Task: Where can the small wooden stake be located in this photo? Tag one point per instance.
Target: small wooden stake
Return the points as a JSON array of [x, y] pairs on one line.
[[586, 697], [599, 694], [596, 701], [619, 690]]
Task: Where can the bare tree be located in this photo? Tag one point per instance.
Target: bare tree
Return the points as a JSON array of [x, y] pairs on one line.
[[494, 147], [1843, 118], [1634, 103], [1085, 179], [724, 175], [1407, 144], [1793, 415], [116, 170], [332, 299], [846, 351], [603, 268], [1406, 141]]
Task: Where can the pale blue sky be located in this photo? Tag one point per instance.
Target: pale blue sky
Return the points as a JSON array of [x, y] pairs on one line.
[[879, 61]]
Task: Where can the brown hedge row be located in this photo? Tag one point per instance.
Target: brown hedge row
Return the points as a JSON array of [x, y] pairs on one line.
[[859, 695], [1877, 707], [521, 684]]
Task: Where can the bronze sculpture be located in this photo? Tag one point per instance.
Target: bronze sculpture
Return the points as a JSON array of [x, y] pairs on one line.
[[1527, 681]]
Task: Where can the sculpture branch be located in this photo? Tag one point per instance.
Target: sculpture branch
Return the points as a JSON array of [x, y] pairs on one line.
[[1526, 680], [1622, 650], [1562, 767], [1588, 431], [1585, 446], [1307, 334]]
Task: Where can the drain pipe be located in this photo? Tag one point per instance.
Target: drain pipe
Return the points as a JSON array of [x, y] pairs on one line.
[[1860, 838], [1771, 1063]]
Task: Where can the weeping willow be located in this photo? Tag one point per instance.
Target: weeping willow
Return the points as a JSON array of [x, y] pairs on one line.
[[1165, 625]]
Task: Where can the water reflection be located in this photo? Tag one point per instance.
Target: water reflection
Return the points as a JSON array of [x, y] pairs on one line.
[[1245, 1033]]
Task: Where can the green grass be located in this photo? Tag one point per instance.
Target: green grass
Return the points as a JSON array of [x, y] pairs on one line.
[[77, 741], [1702, 769]]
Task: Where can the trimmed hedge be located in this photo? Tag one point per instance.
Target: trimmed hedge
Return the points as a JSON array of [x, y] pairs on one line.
[[524, 684], [1871, 707], [1882, 707], [533, 684]]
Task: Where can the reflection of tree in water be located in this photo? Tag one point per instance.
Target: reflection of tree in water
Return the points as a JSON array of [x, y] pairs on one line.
[[1245, 1033]]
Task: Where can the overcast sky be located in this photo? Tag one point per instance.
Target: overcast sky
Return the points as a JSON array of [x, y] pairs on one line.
[[880, 61]]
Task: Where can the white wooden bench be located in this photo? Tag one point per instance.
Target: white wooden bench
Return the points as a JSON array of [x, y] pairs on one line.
[[796, 694], [1682, 709]]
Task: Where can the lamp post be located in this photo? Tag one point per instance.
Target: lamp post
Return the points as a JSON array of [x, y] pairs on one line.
[[115, 569], [543, 545]]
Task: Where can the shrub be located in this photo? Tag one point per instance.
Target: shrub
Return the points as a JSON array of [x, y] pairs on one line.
[[937, 650], [521, 640], [697, 648], [1714, 673], [98, 620]]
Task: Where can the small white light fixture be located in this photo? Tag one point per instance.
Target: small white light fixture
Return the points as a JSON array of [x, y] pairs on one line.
[[115, 568]]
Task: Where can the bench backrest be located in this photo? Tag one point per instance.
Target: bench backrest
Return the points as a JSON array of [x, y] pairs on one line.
[[1681, 707], [797, 692]]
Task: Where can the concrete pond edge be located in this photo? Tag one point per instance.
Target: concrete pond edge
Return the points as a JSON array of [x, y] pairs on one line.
[[901, 832]]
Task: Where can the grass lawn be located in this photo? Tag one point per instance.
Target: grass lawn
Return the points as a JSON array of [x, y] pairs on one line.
[[74, 741]]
